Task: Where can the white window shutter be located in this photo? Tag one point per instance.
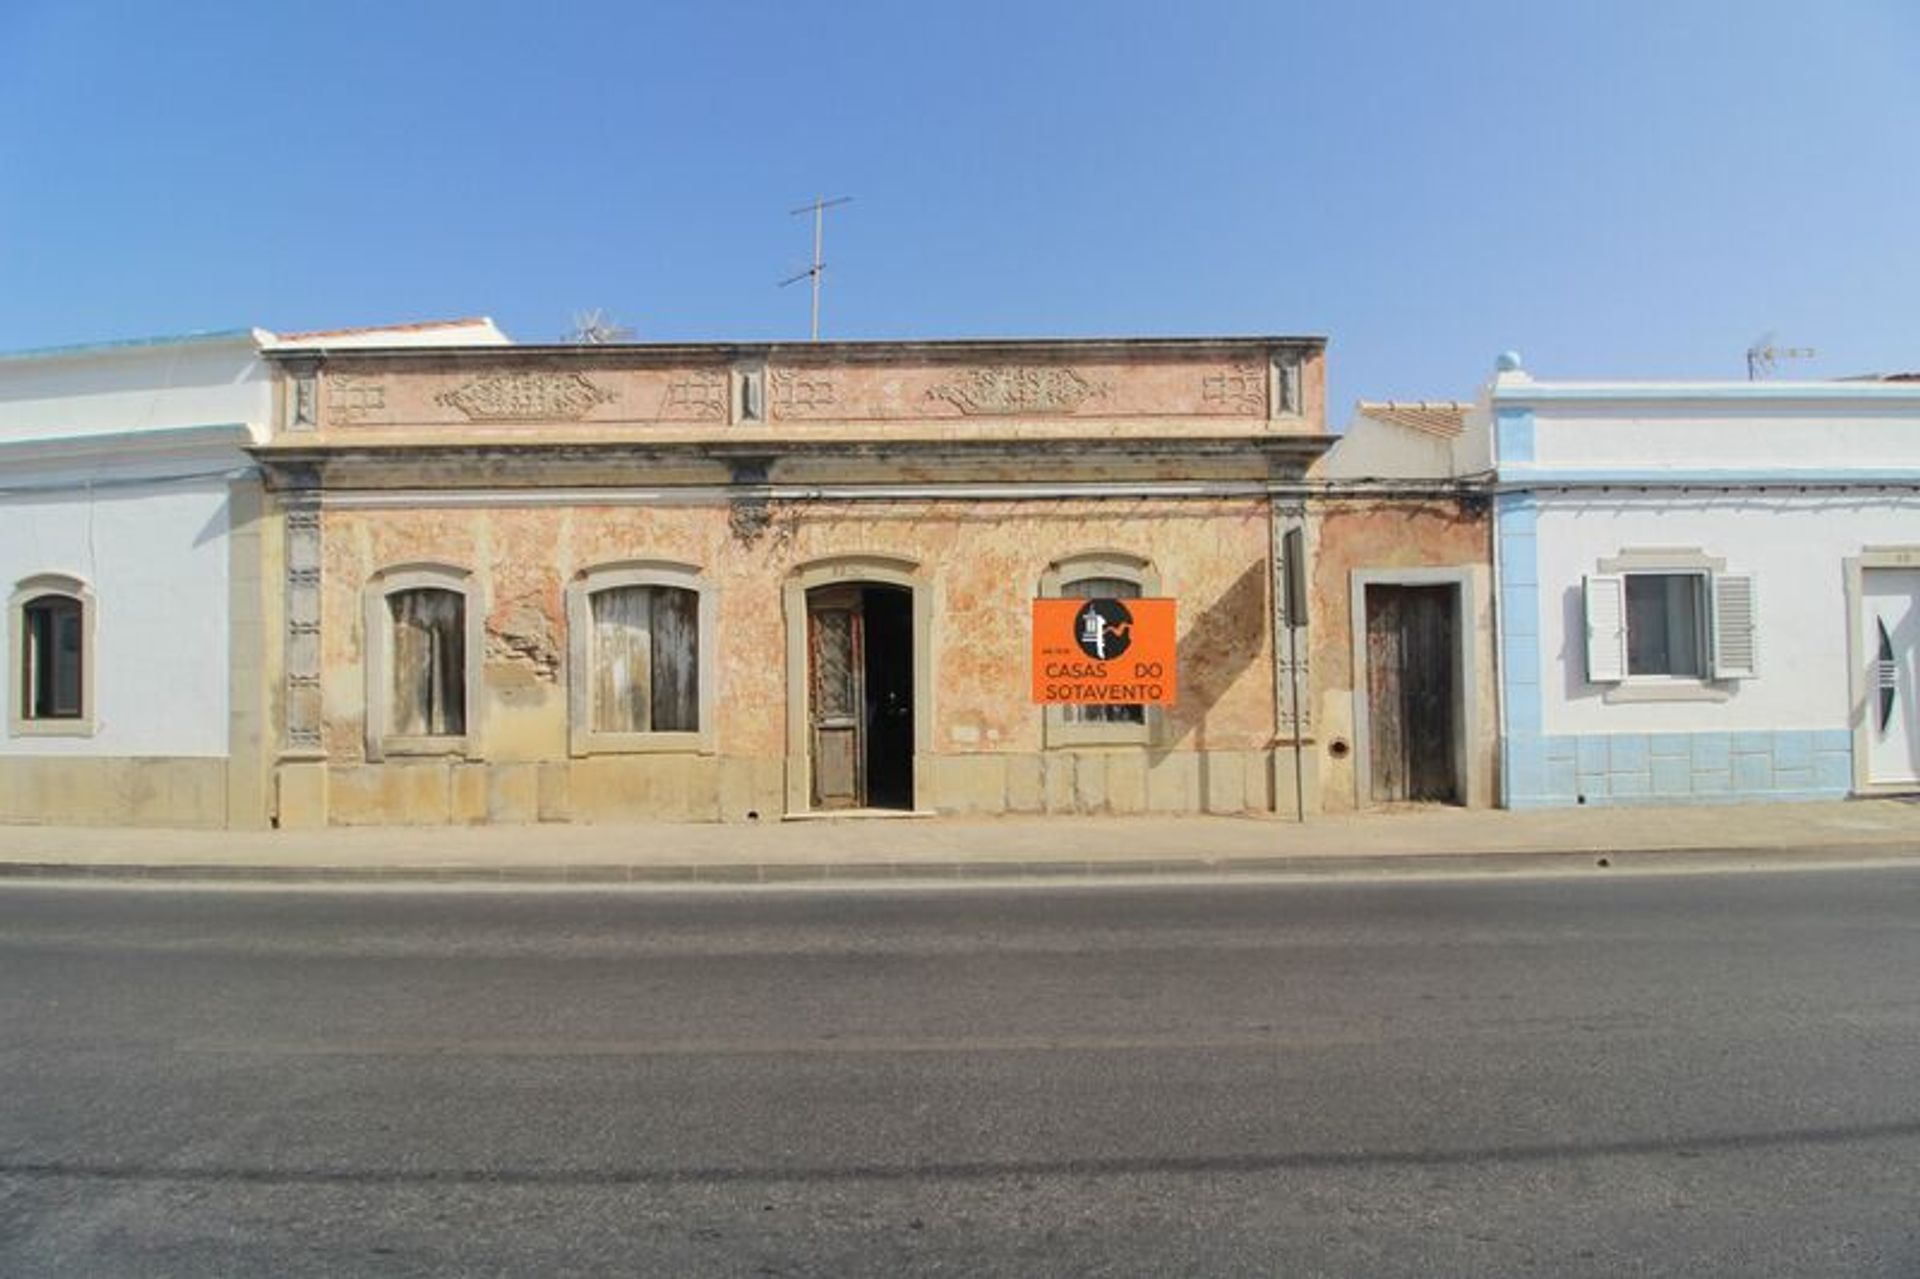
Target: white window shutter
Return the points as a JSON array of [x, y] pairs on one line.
[[1733, 618], [1606, 598]]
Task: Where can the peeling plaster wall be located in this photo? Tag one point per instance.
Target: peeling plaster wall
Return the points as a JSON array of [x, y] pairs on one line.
[[982, 562], [1386, 534]]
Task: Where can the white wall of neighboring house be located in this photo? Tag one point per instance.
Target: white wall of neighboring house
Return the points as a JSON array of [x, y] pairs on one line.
[[1793, 485], [155, 557]]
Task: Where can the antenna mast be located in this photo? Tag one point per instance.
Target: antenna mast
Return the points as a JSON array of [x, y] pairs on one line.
[[1763, 355], [819, 268]]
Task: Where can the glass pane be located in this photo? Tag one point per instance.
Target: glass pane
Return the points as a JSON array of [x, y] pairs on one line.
[[429, 662], [835, 692], [1104, 588], [622, 659], [1663, 624], [51, 668]]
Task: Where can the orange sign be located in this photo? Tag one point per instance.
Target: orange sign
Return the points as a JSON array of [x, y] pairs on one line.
[[1103, 652]]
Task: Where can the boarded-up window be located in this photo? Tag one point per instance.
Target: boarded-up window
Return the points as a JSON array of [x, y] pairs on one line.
[[429, 662], [646, 660], [1103, 588], [52, 639]]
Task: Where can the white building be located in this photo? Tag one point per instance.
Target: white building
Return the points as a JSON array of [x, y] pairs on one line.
[[1708, 592], [131, 563]]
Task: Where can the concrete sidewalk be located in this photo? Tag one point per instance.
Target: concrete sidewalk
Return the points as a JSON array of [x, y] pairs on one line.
[[1420, 839]]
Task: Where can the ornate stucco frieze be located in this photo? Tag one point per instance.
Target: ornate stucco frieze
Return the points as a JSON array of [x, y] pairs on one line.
[[526, 397], [701, 395], [352, 399], [1240, 388], [1008, 389], [801, 393]]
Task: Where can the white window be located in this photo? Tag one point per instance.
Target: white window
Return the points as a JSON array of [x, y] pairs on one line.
[[1668, 623], [50, 622], [640, 644], [1100, 575], [423, 651]]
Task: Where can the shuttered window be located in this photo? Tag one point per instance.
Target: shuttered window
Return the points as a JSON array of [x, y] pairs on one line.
[[1678, 625], [645, 660], [429, 662]]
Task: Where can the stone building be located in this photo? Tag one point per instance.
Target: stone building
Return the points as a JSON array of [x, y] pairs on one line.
[[1402, 610], [738, 582]]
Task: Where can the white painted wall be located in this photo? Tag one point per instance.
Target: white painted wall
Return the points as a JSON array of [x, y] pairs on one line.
[[156, 559], [134, 387], [1793, 545], [1786, 436]]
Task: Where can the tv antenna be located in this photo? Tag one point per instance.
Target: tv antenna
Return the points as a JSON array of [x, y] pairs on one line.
[[819, 268], [1762, 355], [596, 328]]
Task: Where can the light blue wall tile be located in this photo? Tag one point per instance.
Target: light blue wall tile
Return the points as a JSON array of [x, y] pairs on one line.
[[1717, 781], [1561, 783], [1752, 773], [1711, 750], [1833, 771], [1793, 779], [1592, 785], [1523, 661], [1523, 708], [1517, 513], [1628, 785], [1753, 744], [1833, 739], [1627, 753], [1519, 609], [1519, 560], [1792, 750], [1513, 429], [1593, 754], [1671, 775], [1678, 745], [1526, 773]]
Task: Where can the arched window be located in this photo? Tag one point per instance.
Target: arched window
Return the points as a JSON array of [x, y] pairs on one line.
[[423, 650], [640, 644], [51, 625], [1100, 575]]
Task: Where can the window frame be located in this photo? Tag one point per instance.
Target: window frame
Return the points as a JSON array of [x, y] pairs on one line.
[[1715, 683], [1060, 732], [26, 592], [583, 738], [377, 630]]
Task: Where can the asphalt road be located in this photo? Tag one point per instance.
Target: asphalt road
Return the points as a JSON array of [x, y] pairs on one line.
[[1686, 1075]]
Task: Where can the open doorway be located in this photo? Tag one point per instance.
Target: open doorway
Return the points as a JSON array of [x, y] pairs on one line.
[[860, 709]]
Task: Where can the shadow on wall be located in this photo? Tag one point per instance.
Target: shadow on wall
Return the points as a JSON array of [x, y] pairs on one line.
[[1218, 646]]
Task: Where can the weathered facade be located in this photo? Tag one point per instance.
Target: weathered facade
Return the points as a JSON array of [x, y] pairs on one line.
[[1402, 611], [733, 582]]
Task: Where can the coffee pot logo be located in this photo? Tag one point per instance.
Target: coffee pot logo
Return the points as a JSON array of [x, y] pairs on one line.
[[1103, 629]]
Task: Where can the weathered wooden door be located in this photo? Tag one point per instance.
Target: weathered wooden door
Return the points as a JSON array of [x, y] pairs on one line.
[[1410, 697], [836, 658]]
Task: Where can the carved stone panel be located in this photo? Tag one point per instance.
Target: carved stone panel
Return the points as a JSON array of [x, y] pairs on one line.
[[352, 399], [1242, 388], [801, 393], [1010, 389], [701, 395], [526, 397]]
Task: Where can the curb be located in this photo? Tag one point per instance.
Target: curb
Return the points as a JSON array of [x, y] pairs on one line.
[[732, 874]]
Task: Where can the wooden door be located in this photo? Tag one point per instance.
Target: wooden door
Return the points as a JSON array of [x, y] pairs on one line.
[[1410, 695], [836, 643]]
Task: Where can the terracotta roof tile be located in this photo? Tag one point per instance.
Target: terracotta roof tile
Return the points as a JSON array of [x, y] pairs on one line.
[[1444, 418]]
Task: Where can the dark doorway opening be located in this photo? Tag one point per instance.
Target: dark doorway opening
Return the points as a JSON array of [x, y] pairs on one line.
[[860, 696], [1412, 716]]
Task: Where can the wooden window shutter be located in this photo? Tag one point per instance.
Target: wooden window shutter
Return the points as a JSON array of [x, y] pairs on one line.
[[1606, 629], [1733, 618]]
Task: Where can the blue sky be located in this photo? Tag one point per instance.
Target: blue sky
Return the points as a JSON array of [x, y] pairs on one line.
[[1635, 188]]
